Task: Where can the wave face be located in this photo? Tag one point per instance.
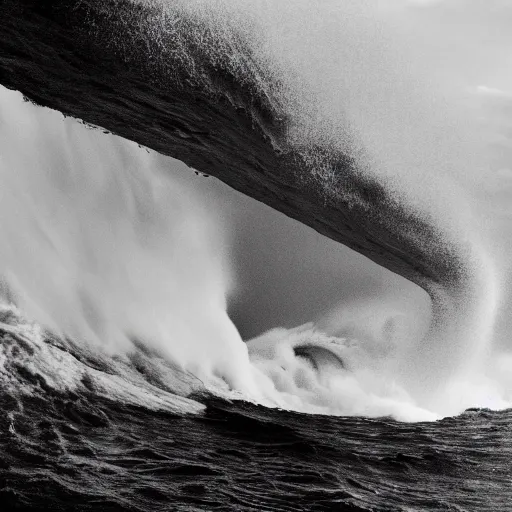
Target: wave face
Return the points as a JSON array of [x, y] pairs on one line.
[[121, 257], [103, 249]]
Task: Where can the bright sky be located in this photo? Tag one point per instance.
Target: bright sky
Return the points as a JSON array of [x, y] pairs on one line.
[[469, 37]]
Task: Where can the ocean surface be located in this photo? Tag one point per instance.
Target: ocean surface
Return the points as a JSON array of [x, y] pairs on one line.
[[78, 449]]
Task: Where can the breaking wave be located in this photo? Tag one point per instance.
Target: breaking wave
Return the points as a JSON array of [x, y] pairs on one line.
[[128, 267]]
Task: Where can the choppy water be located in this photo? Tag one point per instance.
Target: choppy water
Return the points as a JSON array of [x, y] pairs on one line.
[[79, 450]]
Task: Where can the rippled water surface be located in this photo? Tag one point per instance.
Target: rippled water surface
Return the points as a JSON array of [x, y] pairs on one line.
[[81, 451]]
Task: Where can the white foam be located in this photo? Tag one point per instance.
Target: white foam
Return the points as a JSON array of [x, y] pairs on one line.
[[62, 371]]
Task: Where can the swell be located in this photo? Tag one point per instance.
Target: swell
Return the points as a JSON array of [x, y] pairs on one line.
[[102, 62], [36, 363], [65, 452], [78, 448]]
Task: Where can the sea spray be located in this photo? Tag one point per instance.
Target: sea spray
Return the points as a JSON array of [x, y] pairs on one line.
[[98, 248]]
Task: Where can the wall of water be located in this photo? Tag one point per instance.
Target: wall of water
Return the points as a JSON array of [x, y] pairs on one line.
[[107, 244]]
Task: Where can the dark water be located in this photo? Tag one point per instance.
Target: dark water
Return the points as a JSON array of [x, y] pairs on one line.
[[80, 451]]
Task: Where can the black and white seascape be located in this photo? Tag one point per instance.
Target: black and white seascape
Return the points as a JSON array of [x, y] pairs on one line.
[[255, 255]]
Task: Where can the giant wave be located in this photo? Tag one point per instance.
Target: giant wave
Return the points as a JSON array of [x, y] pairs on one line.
[[103, 250]]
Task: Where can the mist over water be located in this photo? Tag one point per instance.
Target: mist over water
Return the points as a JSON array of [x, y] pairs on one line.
[[100, 248], [109, 245]]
